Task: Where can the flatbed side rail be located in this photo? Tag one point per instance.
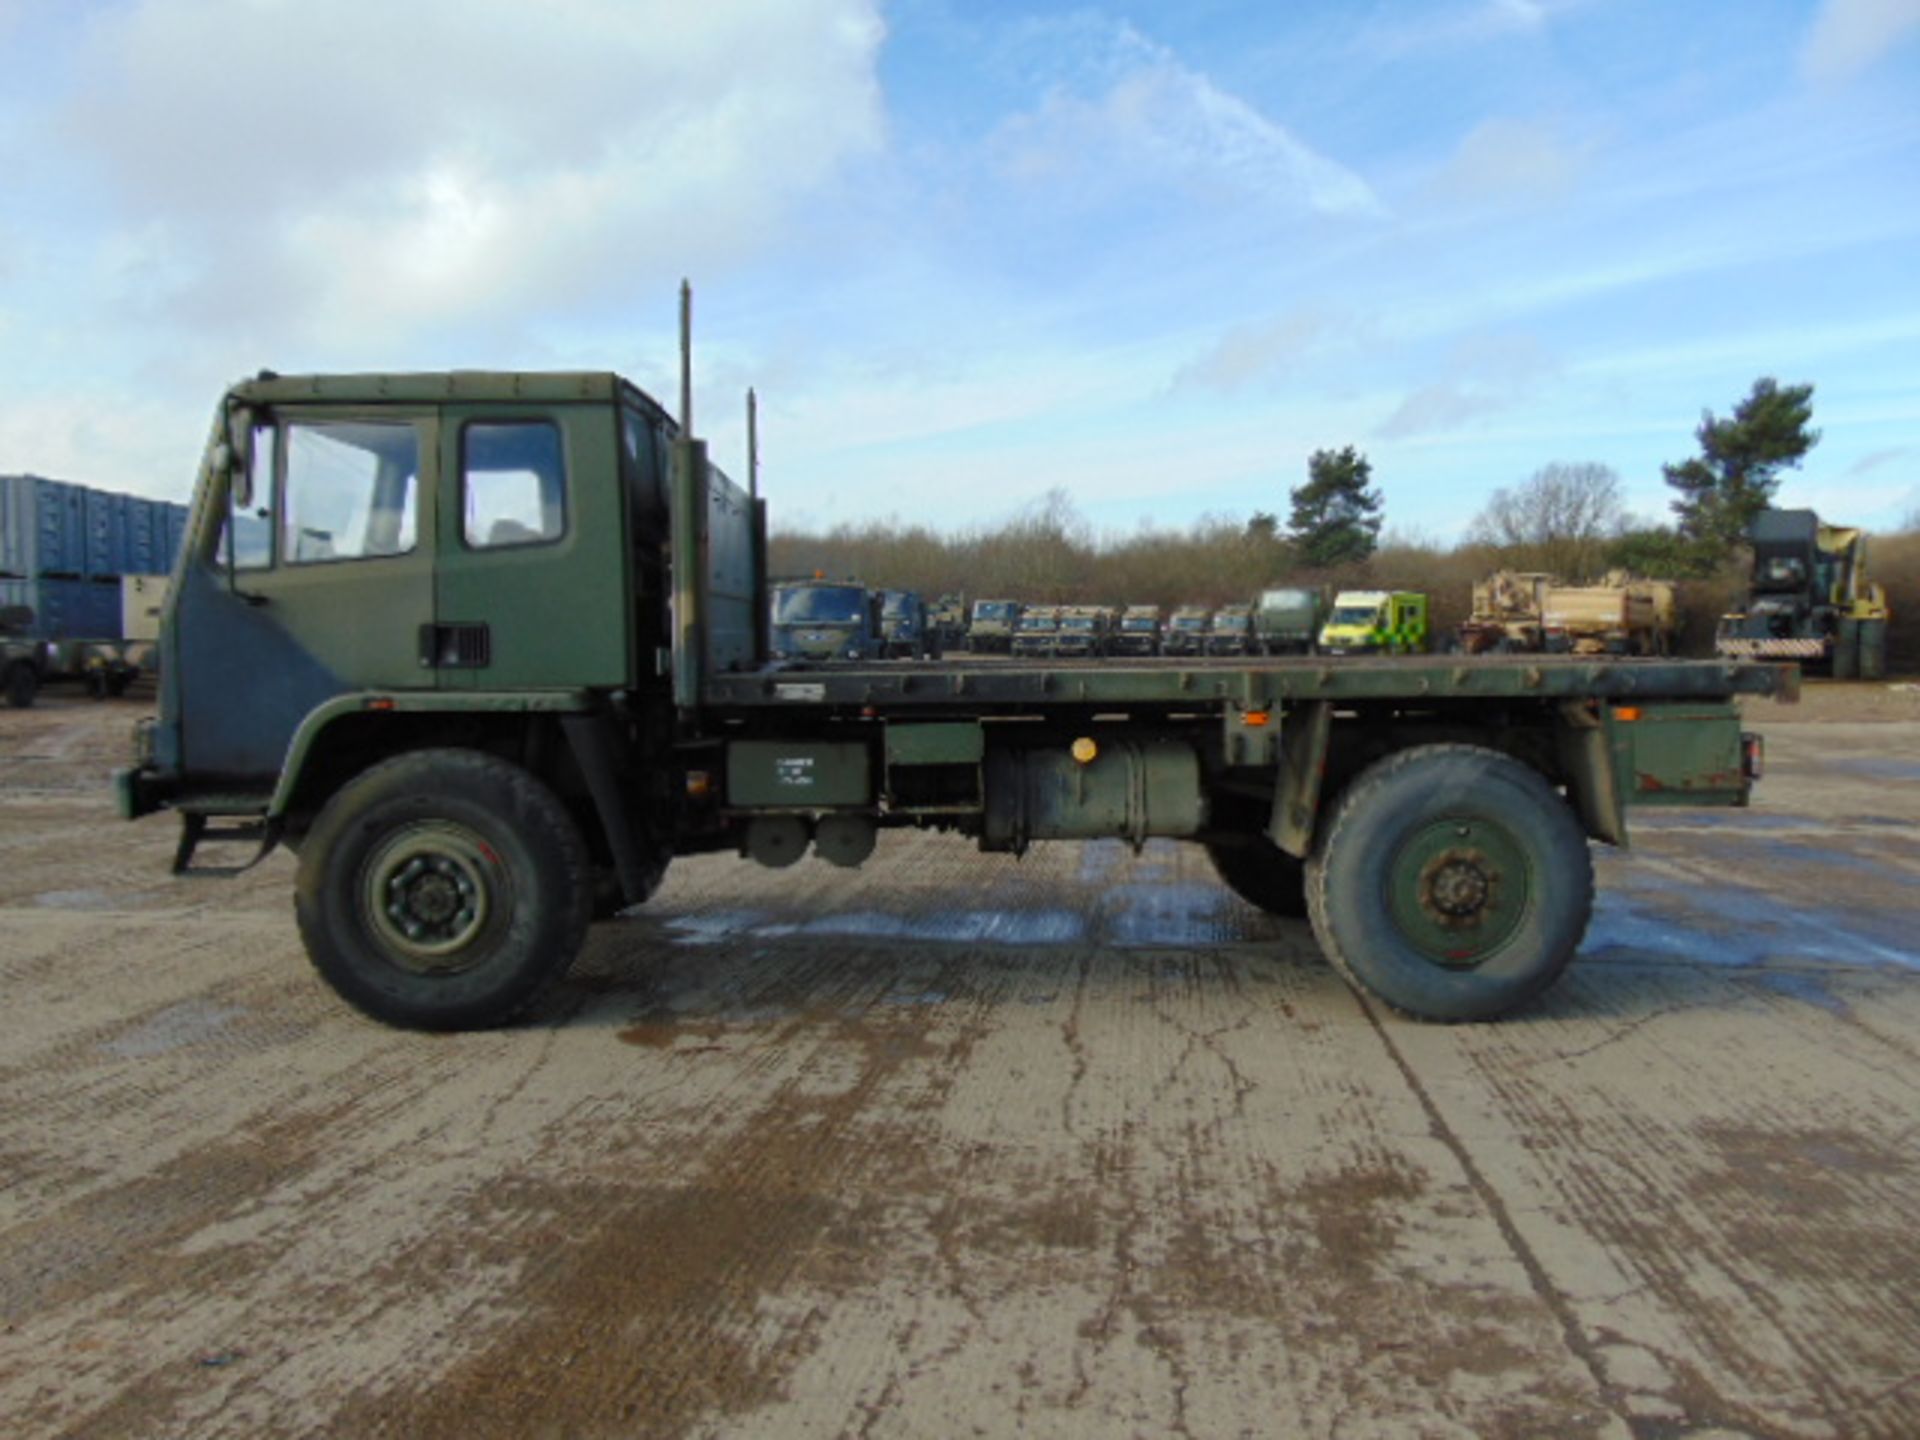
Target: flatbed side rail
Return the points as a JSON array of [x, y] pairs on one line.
[[1246, 683]]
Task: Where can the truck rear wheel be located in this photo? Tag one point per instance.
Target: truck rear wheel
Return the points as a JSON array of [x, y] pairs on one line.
[[1452, 882], [22, 685], [443, 890], [1262, 874]]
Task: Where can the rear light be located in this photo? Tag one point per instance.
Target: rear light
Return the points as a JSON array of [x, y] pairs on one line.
[[1753, 755]]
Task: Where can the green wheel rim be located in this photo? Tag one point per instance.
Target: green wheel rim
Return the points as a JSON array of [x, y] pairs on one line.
[[1458, 889], [426, 892]]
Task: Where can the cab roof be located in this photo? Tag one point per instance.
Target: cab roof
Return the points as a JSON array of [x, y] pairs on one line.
[[446, 386]]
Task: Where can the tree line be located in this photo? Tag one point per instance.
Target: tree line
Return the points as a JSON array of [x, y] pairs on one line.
[[1567, 518]]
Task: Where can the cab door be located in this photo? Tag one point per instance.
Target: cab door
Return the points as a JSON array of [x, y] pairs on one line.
[[327, 593], [531, 588]]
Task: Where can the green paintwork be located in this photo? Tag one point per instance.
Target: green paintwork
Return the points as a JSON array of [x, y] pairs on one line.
[[1130, 790], [1252, 683], [1677, 754], [957, 743], [551, 609], [307, 739], [798, 774], [1458, 888]]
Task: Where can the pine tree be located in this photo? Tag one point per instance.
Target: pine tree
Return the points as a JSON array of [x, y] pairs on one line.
[[1336, 516], [1734, 476]]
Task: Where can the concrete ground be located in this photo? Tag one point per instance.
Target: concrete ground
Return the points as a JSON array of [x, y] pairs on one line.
[[957, 1145]]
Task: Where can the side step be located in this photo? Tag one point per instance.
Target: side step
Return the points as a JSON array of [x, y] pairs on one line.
[[249, 825]]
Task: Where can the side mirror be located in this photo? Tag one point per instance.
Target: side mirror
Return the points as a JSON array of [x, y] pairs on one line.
[[236, 454]]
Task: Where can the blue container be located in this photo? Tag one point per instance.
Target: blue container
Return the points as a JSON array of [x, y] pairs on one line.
[[51, 528], [67, 609]]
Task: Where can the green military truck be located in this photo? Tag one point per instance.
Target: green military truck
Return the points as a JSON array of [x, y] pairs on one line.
[[1186, 632], [1230, 632], [993, 626], [1286, 620], [1139, 632], [501, 659], [825, 620]]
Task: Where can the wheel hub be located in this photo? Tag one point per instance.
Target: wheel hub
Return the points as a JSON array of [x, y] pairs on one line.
[[426, 895], [1457, 887]]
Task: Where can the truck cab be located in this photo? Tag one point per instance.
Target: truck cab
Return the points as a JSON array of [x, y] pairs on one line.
[[1037, 631], [1186, 632], [1231, 631], [993, 625], [1286, 620], [1139, 632], [905, 628], [1364, 622], [826, 620], [1084, 630]]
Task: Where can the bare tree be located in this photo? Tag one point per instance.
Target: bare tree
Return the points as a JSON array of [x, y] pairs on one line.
[[1559, 521]]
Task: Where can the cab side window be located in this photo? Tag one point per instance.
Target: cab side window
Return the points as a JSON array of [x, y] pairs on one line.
[[350, 492], [514, 484]]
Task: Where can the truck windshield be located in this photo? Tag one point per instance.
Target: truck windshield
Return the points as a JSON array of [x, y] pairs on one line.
[[1356, 614], [993, 610], [1078, 622], [1230, 622], [1037, 622], [1142, 623], [897, 606], [1189, 622], [819, 605]]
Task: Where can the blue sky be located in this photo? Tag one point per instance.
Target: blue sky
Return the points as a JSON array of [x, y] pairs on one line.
[[1153, 254]]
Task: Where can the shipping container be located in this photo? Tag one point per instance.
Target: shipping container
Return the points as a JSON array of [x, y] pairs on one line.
[[52, 528], [65, 609]]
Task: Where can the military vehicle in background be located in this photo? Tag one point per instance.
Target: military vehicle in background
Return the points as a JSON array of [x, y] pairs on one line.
[[1230, 631], [824, 620], [1186, 632], [1363, 622], [1506, 615], [1809, 599], [1619, 616], [1037, 631], [1287, 619], [993, 626], [905, 631], [1084, 630], [1524, 611], [947, 618], [1139, 632]]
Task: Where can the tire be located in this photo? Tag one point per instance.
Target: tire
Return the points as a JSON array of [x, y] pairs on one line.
[[489, 881], [1262, 874], [1452, 882], [22, 686]]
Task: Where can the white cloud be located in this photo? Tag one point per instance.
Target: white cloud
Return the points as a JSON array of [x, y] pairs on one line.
[[1486, 374], [1268, 349], [1506, 159], [1135, 118], [1850, 35], [363, 170]]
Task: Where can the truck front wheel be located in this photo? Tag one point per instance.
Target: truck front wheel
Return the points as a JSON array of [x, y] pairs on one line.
[[443, 890], [1262, 874], [1452, 882]]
